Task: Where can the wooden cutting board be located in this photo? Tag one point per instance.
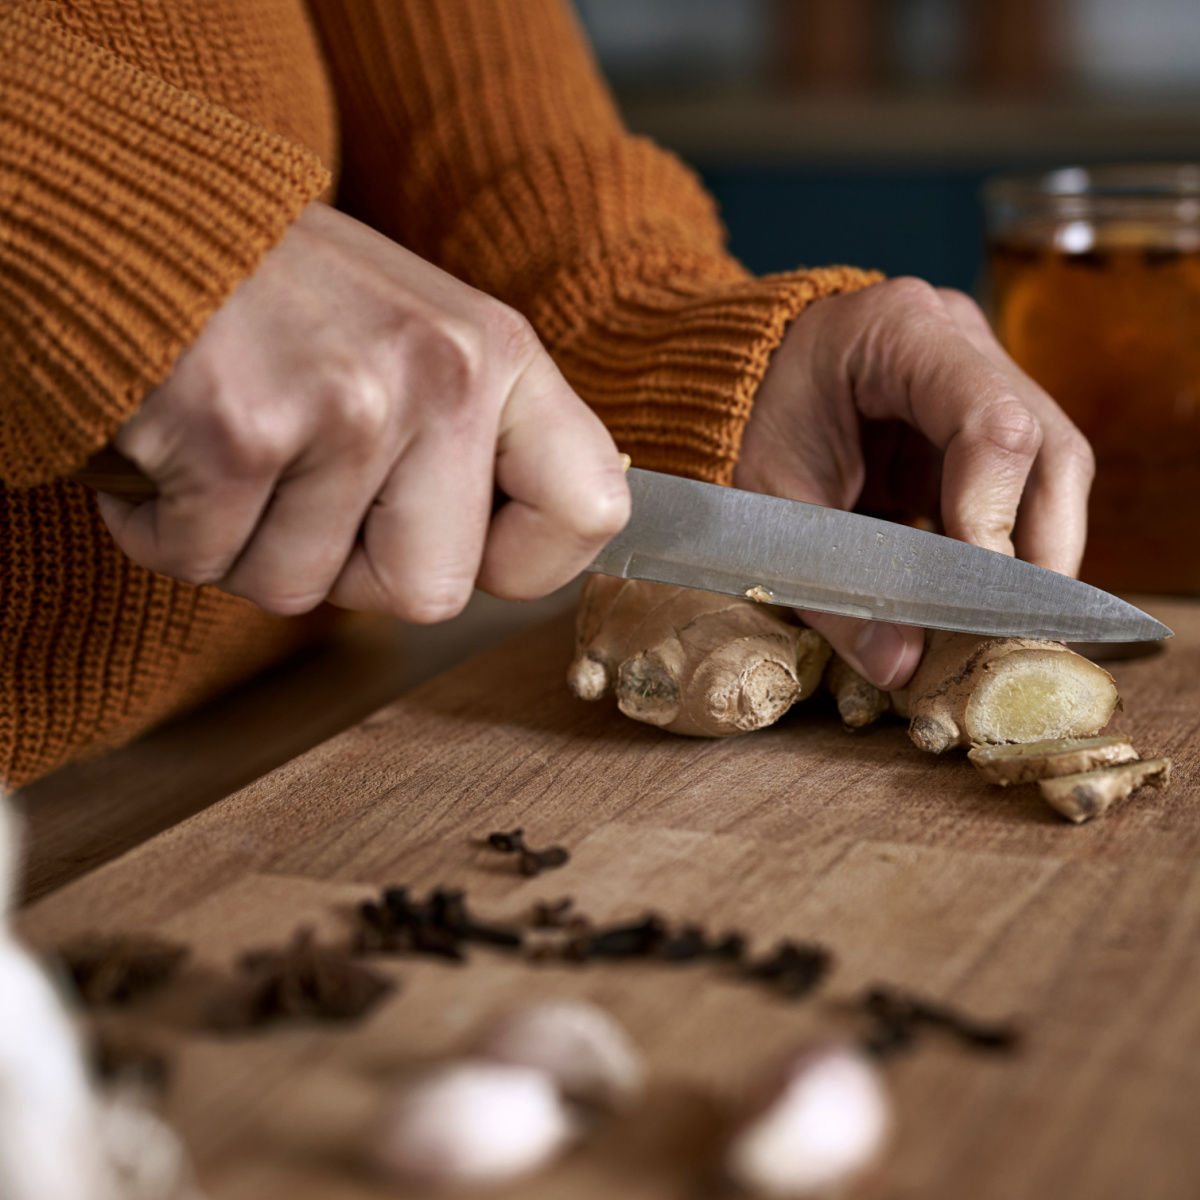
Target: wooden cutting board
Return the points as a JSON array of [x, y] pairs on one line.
[[908, 867]]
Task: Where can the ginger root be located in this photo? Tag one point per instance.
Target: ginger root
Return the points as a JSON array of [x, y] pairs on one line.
[[1009, 764], [1081, 797], [859, 702], [708, 665], [969, 690], [692, 662]]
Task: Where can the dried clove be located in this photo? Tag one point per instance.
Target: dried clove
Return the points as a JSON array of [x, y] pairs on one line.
[[534, 862], [301, 981], [530, 862], [729, 947], [794, 968], [637, 940], [438, 926], [688, 944], [899, 1017], [397, 927], [398, 905], [507, 843], [552, 914], [121, 968]]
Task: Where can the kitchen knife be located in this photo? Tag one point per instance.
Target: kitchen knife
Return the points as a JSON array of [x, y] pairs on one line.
[[804, 556]]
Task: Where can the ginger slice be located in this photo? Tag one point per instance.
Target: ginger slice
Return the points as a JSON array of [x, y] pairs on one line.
[[1082, 797], [692, 662], [970, 690], [1032, 761]]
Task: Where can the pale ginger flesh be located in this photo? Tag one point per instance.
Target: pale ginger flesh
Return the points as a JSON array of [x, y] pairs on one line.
[[691, 662], [1082, 797], [969, 690], [1027, 763]]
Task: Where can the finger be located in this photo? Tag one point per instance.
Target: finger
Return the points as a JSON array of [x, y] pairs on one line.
[[306, 536], [193, 530], [1051, 528], [986, 464], [920, 367], [882, 653], [567, 489], [422, 539]]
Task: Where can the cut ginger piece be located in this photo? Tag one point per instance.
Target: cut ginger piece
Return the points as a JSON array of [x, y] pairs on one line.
[[970, 690], [1082, 797], [1027, 763]]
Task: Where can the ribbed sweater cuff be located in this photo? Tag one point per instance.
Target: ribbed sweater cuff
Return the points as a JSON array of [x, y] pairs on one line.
[[663, 334], [129, 210], [672, 367]]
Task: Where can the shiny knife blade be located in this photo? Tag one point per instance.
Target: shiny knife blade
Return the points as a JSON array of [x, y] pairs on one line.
[[804, 556]]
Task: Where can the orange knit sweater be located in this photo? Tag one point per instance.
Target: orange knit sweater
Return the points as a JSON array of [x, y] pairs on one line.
[[152, 150]]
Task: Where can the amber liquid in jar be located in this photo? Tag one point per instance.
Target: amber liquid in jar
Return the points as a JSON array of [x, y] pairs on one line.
[[1112, 332]]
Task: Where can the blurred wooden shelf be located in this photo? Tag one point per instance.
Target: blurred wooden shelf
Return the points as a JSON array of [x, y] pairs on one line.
[[736, 127]]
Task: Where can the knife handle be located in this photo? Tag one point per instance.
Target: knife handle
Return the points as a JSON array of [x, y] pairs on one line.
[[108, 470]]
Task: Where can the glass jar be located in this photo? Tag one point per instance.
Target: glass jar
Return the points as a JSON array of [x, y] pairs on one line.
[[1095, 291]]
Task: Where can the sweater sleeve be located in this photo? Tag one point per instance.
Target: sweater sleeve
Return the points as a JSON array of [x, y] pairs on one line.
[[480, 134], [129, 210]]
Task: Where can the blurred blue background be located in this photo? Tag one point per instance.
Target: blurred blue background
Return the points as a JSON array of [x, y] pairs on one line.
[[916, 222], [860, 130]]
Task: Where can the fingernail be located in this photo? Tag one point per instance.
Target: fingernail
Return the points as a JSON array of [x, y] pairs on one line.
[[880, 649]]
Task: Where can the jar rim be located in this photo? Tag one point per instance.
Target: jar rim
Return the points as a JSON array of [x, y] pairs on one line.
[[1144, 181]]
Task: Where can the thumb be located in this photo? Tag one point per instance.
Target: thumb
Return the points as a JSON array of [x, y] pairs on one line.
[[781, 461], [566, 486], [882, 653]]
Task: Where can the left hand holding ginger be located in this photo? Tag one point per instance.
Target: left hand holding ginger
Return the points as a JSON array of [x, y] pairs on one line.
[[1015, 470]]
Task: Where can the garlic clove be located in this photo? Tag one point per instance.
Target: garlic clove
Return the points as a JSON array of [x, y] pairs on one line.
[[579, 1046], [473, 1122], [823, 1120]]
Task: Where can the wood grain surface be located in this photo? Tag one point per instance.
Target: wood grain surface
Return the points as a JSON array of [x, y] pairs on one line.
[[910, 868]]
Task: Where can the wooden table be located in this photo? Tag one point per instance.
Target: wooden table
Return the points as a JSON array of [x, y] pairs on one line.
[[909, 867]]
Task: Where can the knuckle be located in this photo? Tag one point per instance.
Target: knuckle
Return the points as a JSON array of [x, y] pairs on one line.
[[510, 332], [1078, 456], [449, 361], [960, 306], [912, 294], [1011, 426], [284, 604], [597, 514], [198, 572], [251, 445], [360, 399], [431, 602], [425, 599]]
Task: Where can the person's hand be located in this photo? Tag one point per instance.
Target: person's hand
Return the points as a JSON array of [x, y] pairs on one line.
[[335, 432], [1015, 472]]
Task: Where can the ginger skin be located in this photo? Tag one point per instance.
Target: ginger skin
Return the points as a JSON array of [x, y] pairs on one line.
[[860, 703], [691, 662]]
